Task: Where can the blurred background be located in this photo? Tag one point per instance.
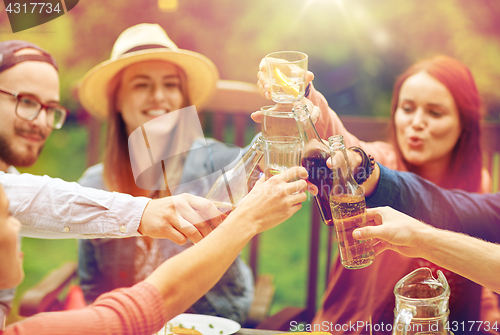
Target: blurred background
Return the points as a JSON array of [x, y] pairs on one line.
[[356, 50]]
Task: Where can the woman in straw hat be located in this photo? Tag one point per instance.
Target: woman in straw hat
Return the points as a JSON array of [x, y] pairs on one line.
[[147, 84]]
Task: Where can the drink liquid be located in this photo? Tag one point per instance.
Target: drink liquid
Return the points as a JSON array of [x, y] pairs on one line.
[[348, 213]]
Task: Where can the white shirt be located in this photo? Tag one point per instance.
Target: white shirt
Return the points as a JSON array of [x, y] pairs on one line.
[[53, 208]]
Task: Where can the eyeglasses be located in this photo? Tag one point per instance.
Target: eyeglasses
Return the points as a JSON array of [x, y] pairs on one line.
[[28, 108]]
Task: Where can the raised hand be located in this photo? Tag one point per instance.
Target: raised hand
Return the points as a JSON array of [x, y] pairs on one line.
[[394, 230], [179, 218], [275, 200]]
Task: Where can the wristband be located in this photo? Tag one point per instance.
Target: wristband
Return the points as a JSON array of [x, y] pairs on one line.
[[365, 169], [307, 91]]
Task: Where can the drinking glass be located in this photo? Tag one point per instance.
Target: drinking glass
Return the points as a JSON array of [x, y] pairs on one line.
[[281, 153], [278, 120], [287, 74]]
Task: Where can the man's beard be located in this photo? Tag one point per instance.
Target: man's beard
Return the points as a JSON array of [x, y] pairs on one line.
[[10, 157]]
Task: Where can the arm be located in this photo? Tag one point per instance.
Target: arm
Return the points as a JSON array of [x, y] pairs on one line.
[[470, 257], [275, 202], [52, 208], [469, 213], [329, 124], [184, 278]]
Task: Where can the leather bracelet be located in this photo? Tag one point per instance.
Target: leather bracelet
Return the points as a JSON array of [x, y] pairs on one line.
[[307, 91], [365, 169]]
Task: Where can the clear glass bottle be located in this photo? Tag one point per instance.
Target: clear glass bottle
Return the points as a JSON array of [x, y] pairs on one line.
[[233, 185], [347, 203], [314, 156]]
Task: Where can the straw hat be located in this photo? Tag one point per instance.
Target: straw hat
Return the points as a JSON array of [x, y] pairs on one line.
[[140, 43]]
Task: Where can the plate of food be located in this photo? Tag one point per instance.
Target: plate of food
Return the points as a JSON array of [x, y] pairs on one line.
[[198, 324]]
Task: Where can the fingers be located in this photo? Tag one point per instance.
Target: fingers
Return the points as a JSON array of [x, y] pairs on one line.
[[263, 64], [309, 77], [298, 198], [365, 233], [263, 81], [171, 233], [296, 186], [194, 215], [205, 207], [373, 215], [311, 188], [257, 116], [189, 230], [292, 173], [315, 112], [380, 247]]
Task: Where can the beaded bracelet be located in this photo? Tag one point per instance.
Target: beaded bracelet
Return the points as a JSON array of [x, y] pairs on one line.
[[365, 169]]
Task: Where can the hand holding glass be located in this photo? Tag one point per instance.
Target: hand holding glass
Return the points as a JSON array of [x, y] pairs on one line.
[[281, 153], [287, 75], [278, 121]]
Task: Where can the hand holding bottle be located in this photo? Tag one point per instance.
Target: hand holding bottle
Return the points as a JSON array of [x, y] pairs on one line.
[[348, 209], [355, 160]]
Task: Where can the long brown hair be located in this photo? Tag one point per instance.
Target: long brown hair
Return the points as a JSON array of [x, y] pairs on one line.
[[118, 175], [466, 162]]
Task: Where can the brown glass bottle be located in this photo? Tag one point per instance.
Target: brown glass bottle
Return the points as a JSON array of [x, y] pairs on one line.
[[314, 156]]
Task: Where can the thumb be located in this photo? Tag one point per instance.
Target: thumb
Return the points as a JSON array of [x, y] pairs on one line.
[[309, 76], [365, 233], [257, 116], [261, 180]]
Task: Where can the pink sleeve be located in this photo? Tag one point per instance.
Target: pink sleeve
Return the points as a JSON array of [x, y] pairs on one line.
[[329, 124], [135, 310]]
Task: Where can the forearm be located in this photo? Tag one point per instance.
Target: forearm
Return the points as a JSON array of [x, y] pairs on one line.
[[135, 310], [473, 214], [52, 208], [208, 260], [329, 124], [370, 185], [470, 257]]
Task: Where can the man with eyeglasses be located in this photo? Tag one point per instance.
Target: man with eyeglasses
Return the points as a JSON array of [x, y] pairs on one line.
[[29, 110], [29, 86], [52, 208]]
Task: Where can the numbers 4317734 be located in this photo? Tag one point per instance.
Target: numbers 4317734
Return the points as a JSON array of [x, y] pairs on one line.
[[32, 7], [463, 326]]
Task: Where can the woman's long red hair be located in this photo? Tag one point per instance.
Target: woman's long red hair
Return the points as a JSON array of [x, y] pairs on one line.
[[466, 162]]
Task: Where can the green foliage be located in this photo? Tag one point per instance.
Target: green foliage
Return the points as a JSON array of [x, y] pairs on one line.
[[40, 257], [355, 48]]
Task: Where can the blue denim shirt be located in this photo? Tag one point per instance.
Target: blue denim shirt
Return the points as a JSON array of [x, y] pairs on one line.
[[106, 264], [469, 213]]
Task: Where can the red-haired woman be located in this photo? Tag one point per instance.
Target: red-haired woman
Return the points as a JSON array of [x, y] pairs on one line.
[[435, 114]]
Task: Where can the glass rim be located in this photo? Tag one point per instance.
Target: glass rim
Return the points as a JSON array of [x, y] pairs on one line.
[[282, 139], [303, 54], [271, 109]]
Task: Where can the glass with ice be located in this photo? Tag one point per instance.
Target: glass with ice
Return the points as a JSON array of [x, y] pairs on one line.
[[287, 75]]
